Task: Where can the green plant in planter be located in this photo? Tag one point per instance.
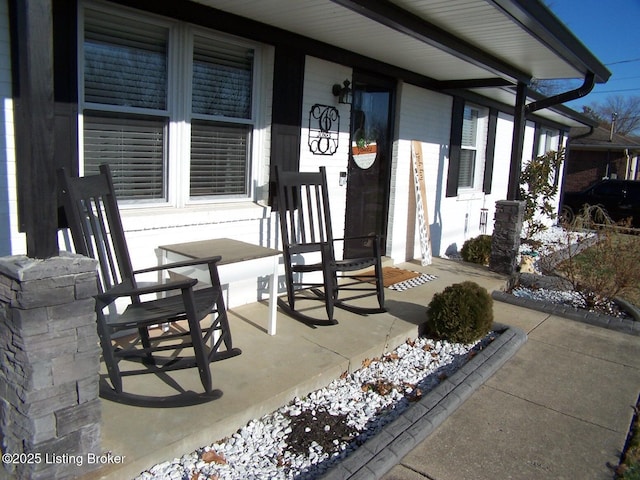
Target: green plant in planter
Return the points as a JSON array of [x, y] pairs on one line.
[[477, 250], [462, 313]]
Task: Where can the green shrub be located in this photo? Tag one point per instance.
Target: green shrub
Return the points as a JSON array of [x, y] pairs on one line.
[[477, 250], [462, 313]]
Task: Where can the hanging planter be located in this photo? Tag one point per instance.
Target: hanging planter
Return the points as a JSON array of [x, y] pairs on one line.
[[370, 148], [364, 155]]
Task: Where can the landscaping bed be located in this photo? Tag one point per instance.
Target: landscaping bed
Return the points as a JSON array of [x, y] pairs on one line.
[[536, 289], [364, 420]]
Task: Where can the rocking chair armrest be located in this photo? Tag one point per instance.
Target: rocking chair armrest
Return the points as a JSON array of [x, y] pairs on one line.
[[376, 238], [308, 246], [185, 263], [359, 237], [127, 289]]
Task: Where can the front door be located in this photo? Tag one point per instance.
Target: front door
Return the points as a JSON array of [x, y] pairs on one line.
[[369, 169]]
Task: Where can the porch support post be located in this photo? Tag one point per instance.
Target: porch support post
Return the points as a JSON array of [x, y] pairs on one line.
[[34, 107], [49, 407], [505, 241], [517, 143]]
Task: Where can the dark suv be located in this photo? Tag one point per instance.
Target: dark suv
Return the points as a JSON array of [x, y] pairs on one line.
[[620, 198]]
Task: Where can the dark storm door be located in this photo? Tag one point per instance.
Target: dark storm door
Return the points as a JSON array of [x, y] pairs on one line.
[[369, 168]]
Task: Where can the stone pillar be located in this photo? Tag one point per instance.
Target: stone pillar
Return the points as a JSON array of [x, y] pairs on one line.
[[505, 241], [49, 363]]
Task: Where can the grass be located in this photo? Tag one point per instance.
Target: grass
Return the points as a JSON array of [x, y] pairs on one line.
[[629, 468], [609, 267]]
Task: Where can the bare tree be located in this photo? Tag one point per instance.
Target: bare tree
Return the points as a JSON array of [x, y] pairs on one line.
[[621, 111]]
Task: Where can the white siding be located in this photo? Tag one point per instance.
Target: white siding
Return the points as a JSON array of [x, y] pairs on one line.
[[424, 116], [319, 77], [11, 241]]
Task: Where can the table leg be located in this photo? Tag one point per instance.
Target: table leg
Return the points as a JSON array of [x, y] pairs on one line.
[[273, 294]]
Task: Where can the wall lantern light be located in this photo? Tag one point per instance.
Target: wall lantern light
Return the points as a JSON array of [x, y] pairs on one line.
[[343, 92]]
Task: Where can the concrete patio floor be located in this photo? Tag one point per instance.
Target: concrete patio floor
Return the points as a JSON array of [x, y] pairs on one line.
[[272, 370]]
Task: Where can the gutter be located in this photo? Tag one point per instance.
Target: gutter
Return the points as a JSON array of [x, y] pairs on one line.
[[581, 91]]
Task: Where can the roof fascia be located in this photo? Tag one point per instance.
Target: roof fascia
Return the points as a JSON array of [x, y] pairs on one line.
[[392, 16], [540, 22], [603, 148]]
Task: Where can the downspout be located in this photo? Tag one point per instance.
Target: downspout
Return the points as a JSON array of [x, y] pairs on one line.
[[627, 170], [513, 189], [581, 91]]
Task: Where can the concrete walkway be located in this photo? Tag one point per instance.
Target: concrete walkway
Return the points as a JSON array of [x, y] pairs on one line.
[[559, 409]]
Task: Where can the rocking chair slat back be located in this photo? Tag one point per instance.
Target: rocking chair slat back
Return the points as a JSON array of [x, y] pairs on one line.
[[305, 214], [97, 229], [308, 247]]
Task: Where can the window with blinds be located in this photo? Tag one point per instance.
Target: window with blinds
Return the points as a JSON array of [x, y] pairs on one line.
[[135, 150], [131, 107], [125, 62], [466, 173], [218, 159], [222, 79], [222, 85]]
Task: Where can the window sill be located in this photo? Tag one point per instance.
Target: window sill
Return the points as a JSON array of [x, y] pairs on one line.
[[139, 219], [470, 195]]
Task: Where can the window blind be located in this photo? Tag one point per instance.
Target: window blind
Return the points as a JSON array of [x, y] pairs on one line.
[[219, 159], [470, 127], [222, 79], [125, 62], [134, 148], [467, 168]]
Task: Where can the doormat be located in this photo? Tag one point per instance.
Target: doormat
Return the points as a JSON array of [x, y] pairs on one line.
[[421, 279], [398, 279]]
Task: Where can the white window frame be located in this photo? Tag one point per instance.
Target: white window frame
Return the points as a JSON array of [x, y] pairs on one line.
[[478, 146], [549, 140], [178, 107]]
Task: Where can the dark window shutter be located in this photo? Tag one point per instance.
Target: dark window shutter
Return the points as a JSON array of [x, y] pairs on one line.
[[536, 140], [457, 119], [288, 80], [491, 150], [65, 89]]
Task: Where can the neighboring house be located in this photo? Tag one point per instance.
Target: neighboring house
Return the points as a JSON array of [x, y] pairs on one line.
[[193, 103], [594, 154]]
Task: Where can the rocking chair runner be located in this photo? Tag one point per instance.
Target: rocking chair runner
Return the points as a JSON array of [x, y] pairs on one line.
[[94, 219], [305, 224]]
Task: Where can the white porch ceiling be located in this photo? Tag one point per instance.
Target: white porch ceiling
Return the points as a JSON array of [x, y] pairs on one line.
[[498, 28]]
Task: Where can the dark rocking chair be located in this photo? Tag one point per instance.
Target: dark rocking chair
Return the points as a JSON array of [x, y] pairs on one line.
[[305, 224], [132, 332]]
